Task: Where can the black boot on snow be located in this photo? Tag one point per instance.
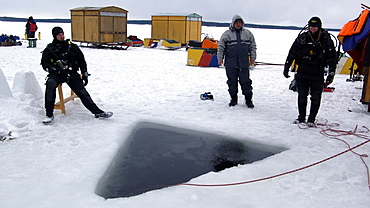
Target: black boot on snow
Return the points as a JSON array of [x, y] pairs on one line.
[[233, 101], [248, 101], [249, 104]]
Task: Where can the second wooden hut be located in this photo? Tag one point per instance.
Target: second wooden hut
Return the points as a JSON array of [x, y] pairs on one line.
[[179, 27]]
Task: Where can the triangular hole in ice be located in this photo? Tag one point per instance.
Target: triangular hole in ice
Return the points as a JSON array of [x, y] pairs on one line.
[[155, 156]]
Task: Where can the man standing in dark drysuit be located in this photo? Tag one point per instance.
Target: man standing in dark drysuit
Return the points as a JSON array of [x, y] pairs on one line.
[[312, 51]]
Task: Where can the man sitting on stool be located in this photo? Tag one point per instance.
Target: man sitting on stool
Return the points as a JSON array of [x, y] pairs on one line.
[[62, 60]]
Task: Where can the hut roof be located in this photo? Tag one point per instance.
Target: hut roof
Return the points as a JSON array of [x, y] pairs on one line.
[[98, 8], [178, 14]]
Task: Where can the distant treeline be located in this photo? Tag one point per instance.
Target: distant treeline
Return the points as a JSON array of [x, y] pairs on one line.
[[16, 19], [148, 22]]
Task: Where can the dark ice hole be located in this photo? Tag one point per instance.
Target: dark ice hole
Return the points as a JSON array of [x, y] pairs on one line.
[[155, 156]]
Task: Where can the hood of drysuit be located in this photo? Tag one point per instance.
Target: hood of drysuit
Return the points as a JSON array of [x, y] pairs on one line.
[[235, 17]]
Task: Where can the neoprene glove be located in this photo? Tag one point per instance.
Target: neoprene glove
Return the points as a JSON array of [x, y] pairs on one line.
[[286, 71], [85, 77]]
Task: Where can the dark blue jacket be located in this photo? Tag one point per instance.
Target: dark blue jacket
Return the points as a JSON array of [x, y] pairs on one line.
[[237, 46]]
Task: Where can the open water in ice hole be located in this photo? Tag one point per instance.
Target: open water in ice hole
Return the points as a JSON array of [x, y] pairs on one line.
[[155, 156]]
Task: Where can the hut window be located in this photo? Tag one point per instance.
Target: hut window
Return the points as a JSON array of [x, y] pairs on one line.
[[193, 19], [113, 14]]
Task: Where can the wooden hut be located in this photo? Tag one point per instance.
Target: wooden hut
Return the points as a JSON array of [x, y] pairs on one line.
[[99, 25], [179, 27]]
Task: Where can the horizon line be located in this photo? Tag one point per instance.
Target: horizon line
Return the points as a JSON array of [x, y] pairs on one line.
[[148, 22]]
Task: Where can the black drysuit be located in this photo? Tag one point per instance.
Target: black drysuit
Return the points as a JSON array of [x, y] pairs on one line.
[[73, 60], [312, 53]]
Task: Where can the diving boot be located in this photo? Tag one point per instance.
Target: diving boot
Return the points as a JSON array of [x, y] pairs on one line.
[[48, 119], [311, 124], [298, 121], [104, 115]]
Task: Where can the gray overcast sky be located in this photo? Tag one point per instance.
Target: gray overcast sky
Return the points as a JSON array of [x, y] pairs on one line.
[[334, 13]]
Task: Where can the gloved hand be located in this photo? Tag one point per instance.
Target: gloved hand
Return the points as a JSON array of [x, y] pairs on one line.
[[286, 71], [84, 78], [329, 79]]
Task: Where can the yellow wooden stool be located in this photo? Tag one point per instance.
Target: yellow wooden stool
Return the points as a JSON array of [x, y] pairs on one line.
[[61, 104]]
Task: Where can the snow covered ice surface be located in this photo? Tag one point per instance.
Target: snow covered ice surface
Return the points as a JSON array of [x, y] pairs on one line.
[[59, 165]]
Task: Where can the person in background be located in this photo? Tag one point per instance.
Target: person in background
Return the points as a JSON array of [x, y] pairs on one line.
[[312, 51], [62, 60], [238, 47], [31, 27]]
